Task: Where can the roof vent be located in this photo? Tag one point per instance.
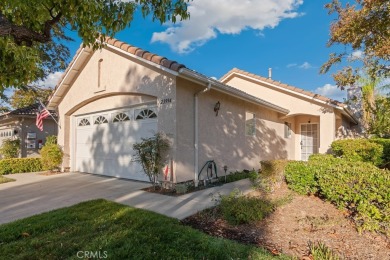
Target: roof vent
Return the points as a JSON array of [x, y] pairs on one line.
[[270, 73]]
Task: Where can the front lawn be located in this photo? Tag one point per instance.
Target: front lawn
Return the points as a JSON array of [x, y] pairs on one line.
[[115, 231], [4, 179]]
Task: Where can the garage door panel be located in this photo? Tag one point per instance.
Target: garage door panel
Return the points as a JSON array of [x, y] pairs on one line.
[[107, 149]]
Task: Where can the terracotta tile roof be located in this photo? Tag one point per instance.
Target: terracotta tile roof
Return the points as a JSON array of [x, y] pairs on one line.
[[26, 111], [285, 86], [170, 64]]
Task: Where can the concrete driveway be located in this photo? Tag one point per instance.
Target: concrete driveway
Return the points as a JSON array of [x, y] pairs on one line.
[[33, 194]]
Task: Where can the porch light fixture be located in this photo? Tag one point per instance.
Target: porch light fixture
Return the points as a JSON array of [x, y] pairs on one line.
[[216, 108]]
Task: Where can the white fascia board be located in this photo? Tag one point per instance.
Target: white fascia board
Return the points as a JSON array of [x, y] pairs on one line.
[[174, 73], [64, 78]]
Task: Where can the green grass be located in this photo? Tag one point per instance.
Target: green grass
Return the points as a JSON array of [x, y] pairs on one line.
[[5, 179], [116, 231]]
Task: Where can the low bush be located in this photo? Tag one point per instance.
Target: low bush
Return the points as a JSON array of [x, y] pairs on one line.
[[386, 151], [236, 176], [20, 165], [239, 209], [51, 139], [51, 156], [10, 148], [358, 150], [300, 177], [360, 187], [271, 175]]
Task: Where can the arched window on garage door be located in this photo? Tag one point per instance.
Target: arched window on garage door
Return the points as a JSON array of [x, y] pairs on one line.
[[121, 117], [100, 120], [84, 122], [145, 114]]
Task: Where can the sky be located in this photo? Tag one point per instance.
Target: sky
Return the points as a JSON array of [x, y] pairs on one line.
[[289, 36]]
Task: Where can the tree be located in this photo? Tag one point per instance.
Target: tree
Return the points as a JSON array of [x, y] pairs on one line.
[[379, 123], [28, 96], [151, 153], [32, 32], [365, 29], [10, 148]]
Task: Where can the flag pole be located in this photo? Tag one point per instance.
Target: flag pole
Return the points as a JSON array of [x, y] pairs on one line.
[[40, 102]]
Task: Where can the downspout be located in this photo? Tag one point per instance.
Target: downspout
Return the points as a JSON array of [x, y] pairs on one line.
[[196, 164]]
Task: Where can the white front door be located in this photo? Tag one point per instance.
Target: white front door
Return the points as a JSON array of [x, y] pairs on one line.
[[104, 141], [309, 140]]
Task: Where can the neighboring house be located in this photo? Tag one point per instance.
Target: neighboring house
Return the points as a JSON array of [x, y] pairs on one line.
[[20, 123], [110, 98]]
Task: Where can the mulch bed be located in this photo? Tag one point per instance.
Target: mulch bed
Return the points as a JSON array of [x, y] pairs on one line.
[[293, 226]]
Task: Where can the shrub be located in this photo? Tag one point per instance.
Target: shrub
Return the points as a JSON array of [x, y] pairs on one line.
[[386, 151], [236, 176], [356, 150], [271, 175], [51, 156], [300, 177], [10, 148], [360, 187], [239, 209], [51, 139], [363, 189], [151, 154], [20, 165]]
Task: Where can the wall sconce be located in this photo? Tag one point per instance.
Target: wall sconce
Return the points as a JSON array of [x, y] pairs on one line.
[[216, 108]]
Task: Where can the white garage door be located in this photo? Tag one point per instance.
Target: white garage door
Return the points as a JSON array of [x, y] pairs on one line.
[[104, 141]]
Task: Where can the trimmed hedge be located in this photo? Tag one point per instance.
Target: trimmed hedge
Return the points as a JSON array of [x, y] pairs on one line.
[[360, 187], [358, 150], [271, 175], [20, 165], [386, 150]]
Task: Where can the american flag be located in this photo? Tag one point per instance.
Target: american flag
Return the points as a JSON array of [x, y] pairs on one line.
[[41, 114]]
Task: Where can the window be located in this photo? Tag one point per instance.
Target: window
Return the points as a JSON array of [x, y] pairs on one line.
[[121, 117], [250, 124], [287, 130], [84, 122], [100, 120], [145, 113]]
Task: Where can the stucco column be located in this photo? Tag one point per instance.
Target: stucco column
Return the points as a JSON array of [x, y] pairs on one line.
[[327, 130]]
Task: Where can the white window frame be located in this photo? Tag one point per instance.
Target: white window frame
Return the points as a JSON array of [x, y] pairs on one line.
[[253, 124]]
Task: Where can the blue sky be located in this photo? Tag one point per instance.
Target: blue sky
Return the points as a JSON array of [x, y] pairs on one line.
[[288, 36]]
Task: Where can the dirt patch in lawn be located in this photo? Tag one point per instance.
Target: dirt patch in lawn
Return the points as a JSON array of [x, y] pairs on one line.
[[297, 222]]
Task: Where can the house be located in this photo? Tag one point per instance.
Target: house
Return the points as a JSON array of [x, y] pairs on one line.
[[110, 98], [20, 123]]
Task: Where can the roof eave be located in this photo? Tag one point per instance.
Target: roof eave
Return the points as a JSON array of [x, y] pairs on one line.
[[191, 75]]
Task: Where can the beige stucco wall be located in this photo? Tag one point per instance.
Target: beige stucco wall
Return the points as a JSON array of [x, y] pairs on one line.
[[124, 81], [298, 106], [222, 138]]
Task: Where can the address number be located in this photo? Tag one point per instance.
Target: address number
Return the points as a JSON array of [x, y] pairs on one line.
[[165, 100]]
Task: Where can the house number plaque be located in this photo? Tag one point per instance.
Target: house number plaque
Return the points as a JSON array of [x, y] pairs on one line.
[[165, 100]]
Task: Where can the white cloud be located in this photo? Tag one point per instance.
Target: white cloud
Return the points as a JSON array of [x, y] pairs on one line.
[[357, 54], [331, 91], [306, 65], [51, 80], [291, 65], [210, 17]]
